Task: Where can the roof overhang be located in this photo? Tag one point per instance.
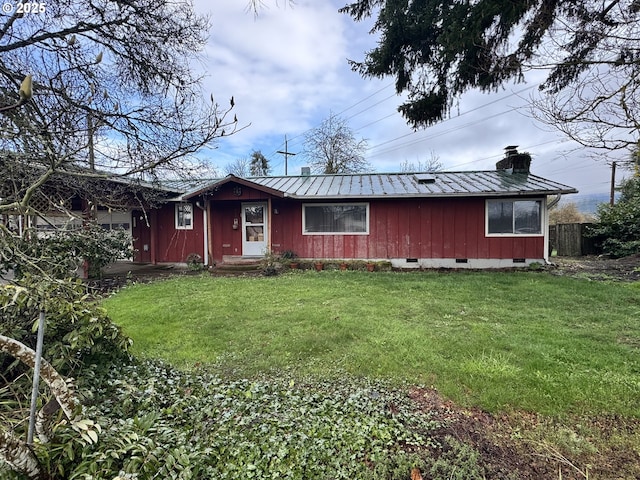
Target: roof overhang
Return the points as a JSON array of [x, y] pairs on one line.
[[213, 186]]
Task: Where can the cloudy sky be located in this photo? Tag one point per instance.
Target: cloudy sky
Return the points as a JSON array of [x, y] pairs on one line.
[[287, 71]]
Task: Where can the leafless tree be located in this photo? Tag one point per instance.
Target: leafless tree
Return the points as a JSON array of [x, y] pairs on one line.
[[588, 50], [591, 94], [256, 5], [333, 148], [92, 91], [598, 111], [431, 164], [112, 90], [239, 167]]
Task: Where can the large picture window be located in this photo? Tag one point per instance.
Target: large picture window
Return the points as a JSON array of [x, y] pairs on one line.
[[514, 217], [335, 218], [184, 216]]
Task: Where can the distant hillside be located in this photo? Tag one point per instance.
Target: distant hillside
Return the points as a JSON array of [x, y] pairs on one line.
[[586, 203]]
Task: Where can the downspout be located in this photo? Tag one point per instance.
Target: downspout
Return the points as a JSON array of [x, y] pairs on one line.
[[549, 206], [205, 229], [269, 216], [554, 202]]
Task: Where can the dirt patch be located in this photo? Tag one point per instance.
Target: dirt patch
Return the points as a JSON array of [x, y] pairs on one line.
[[526, 446], [625, 269]]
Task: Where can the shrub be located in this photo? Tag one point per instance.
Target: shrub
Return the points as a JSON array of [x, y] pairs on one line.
[[288, 255], [618, 226], [77, 330], [567, 213], [271, 264], [61, 252], [78, 333]]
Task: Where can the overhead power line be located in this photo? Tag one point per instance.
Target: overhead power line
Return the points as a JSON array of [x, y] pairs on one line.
[[417, 132]]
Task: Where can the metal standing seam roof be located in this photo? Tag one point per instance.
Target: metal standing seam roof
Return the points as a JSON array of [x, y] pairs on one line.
[[188, 185], [399, 185]]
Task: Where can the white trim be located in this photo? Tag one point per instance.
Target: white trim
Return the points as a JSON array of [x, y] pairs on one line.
[[513, 200], [206, 237], [176, 216], [334, 204], [545, 228], [256, 247], [471, 263]]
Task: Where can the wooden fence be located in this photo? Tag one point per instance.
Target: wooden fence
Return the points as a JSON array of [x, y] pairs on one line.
[[570, 240]]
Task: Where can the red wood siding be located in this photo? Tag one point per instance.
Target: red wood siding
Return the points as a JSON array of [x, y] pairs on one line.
[[174, 245], [141, 234], [224, 239], [226, 206], [247, 194], [406, 228]]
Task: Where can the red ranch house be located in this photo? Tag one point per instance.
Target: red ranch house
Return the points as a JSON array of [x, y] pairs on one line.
[[480, 219]]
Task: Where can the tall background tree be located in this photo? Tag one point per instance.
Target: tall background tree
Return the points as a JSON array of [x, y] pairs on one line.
[[567, 213], [333, 148], [439, 49], [259, 164]]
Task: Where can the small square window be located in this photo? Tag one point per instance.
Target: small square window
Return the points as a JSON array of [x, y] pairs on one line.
[[184, 216]]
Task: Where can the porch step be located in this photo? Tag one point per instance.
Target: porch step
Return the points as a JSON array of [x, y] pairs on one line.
[[231, 263], [240, 260]]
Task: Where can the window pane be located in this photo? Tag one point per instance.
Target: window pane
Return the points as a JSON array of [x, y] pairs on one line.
[[253, 214], [516, 217], [184, 215], [527, 217], [335, 219], [500, 217], [255, 234]]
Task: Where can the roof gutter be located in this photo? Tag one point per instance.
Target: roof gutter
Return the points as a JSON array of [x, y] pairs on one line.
[[554, 202], [436, 195]]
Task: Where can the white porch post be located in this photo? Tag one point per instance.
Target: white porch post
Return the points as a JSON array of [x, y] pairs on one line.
[[205, 227]]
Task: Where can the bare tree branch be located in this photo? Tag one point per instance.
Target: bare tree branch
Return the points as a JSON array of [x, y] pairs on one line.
[[333, 148]]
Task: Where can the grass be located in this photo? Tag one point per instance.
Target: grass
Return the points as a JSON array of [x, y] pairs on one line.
[[500, 341]]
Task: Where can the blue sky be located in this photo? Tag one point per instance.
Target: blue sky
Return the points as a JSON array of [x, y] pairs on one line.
[[287, 70]]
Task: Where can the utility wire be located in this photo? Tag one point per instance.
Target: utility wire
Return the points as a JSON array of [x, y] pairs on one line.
[[413, 142]]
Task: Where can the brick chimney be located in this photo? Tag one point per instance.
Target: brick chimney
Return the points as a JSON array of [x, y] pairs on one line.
[[513, 161]]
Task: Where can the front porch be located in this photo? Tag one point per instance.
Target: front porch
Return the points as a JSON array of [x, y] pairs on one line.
[[237, 263]]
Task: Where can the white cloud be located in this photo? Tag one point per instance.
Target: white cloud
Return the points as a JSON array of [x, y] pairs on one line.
[[287, 70]]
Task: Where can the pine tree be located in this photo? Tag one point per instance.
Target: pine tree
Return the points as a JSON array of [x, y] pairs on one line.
[[259, 166], [439, 49]]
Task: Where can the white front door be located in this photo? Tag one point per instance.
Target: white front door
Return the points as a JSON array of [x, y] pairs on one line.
[[254, 229]]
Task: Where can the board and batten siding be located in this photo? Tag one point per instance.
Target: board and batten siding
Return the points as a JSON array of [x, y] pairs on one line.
[[451, 228], [174, 245]]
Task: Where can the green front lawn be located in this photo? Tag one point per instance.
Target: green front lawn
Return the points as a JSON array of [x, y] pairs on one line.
[[500, 341]]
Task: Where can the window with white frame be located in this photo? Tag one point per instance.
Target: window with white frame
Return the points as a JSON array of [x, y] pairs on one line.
[[335, 218], [514, 217], [184, 216]]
